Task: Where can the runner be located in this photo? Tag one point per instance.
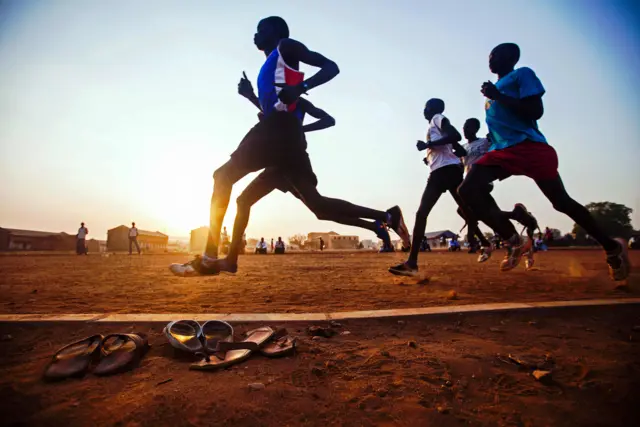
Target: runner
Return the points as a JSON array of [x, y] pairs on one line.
[[277, 144], [513, 107], [475, 148], [443, 152]]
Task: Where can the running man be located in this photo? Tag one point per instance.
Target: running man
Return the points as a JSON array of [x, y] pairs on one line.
[[443, 152], [277, 144], [475, 148], [513, 107]]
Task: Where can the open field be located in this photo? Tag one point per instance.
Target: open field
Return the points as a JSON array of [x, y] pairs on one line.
[[444, 370], [294, 283]]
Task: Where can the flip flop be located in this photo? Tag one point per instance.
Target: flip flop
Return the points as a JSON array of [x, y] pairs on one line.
[[281, 345], [74, 360], [229, 353], [121, 352], [215, 332], [185, 335]]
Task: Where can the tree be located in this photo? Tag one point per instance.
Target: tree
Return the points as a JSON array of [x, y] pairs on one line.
[[298, 239], [614, 218]]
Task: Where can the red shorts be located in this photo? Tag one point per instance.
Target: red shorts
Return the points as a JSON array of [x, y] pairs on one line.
[[536, 160]]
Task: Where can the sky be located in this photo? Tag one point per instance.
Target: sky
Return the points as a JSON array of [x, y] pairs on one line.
[[120, 111]]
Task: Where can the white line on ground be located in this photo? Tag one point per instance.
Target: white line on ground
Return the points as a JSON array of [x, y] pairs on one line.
[[311, 317]]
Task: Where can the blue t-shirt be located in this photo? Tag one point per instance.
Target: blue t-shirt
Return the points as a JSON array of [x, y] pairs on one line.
[[506, 127]]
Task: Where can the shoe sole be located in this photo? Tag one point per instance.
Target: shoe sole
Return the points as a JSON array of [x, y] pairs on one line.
[[404, 273]]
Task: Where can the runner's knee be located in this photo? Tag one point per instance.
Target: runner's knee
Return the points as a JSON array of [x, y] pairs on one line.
[[316, 204], [243, 203], [221, 176]]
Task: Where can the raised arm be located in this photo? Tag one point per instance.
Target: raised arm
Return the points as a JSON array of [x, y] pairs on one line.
[[324, 119]]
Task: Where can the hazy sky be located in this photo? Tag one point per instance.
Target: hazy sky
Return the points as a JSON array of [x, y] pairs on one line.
[[113, 111]]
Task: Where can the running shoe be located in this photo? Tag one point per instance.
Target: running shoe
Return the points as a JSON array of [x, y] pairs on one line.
[[618, 260], [524, 217], [529, 260], [383, 234], [515, 253], [485, 254], [404, 269], [198, 267], [396, 221]]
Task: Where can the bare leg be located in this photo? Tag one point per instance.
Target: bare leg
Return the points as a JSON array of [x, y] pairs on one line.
[[429, 199], [256, 190], [556, 193], [336, 210], [224, 178]]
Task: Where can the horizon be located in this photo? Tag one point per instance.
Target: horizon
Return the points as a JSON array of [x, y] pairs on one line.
[[102, 124]]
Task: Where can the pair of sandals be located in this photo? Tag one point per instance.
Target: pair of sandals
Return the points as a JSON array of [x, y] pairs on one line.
[[112, 354], [213, 341]]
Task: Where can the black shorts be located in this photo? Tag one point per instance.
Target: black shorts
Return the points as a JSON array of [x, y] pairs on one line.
[[446, 178], [277, 145]]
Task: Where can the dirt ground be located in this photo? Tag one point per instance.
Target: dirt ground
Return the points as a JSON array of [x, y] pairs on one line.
[[317, 282], [438, 371]]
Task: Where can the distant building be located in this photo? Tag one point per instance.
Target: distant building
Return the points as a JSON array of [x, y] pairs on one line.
[[344, 242], [12, 239], [96, 246], [332, 240], [435, 238], [118, 240], [198, 239], [313, 240], [369, 244], [29, 240]]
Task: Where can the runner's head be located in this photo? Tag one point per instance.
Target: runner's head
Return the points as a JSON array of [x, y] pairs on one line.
[[471, 128], [270, 31], [434, 106], [82, 224], [133, 224], [503, 58]]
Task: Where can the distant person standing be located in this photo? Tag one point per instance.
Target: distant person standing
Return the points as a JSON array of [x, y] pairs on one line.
[[321, 245], [81, 248], [272, 244], [133, 238]]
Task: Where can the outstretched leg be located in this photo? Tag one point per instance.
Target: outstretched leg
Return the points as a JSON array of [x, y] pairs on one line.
[[343, 212], [340, 211], [617, 258]]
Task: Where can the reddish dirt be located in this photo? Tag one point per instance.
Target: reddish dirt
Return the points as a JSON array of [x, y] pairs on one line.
[[455, 372], [311, 282]]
